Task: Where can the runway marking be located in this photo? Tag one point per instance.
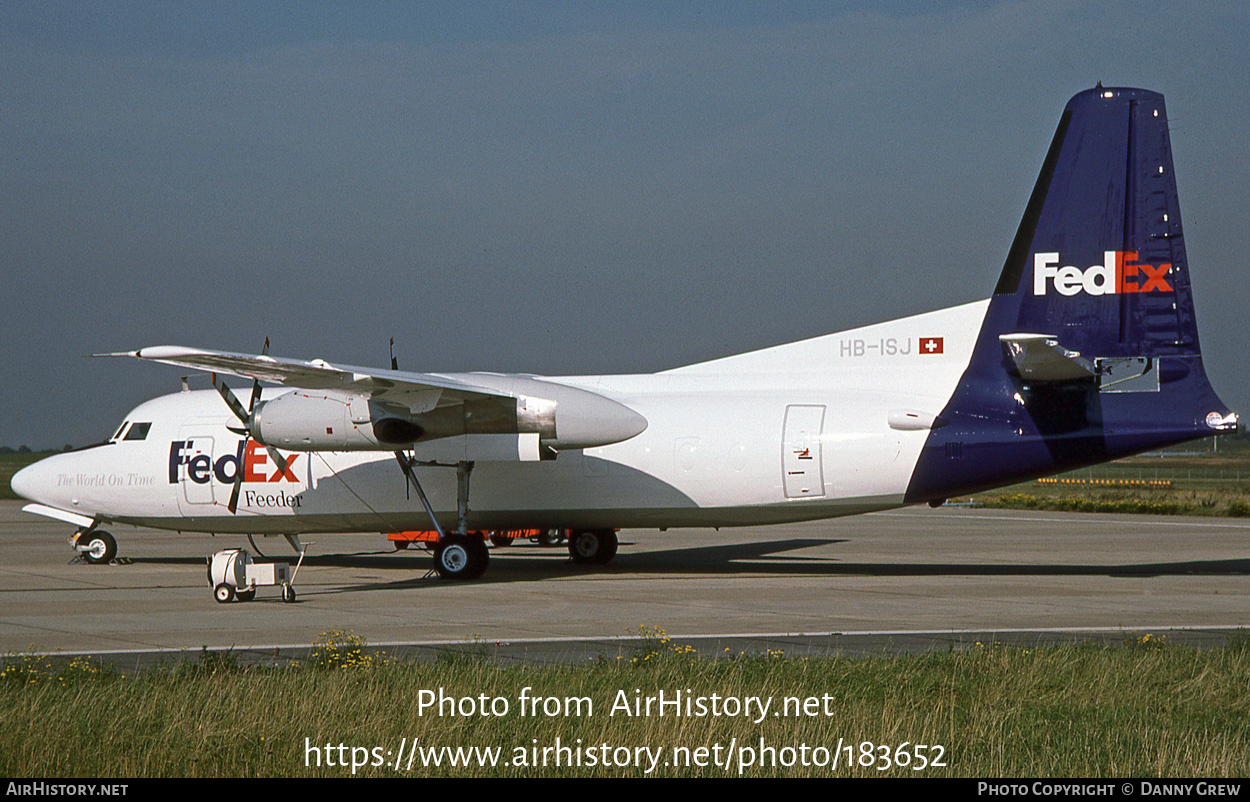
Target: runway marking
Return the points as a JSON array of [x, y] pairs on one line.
[[726, 636]]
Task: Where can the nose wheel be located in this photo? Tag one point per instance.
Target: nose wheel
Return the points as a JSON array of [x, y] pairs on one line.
[[96, 547]]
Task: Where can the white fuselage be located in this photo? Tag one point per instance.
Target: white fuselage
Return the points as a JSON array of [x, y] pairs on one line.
[[820, 428]]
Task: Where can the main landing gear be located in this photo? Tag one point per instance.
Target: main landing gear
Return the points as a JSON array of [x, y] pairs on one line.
[[458, 554], [593, 546], [463, 555]]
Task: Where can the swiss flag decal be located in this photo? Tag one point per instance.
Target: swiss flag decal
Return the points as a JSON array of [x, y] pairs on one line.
[[930, 345]]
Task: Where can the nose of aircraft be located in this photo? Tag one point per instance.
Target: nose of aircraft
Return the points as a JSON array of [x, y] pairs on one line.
[[29, 480]]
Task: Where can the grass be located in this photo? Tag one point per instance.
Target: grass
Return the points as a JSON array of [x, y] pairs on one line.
[[1203, 489], [1027, 498], [1200, 481], [1145, 709]]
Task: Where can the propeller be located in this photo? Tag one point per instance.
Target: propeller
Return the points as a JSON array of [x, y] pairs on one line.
[[245, 415]]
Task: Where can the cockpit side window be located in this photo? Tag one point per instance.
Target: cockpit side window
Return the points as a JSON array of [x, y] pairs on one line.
[[117, 435], [138, 431]]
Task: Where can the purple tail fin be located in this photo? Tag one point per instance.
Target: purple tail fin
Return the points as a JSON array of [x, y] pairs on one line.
[[1089, 349]]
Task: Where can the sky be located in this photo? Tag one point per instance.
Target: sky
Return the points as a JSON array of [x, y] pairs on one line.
[[554, 188]]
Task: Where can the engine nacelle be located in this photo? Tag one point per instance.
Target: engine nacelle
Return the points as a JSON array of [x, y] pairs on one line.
[[335, 420], [309, 420], [312, 420]]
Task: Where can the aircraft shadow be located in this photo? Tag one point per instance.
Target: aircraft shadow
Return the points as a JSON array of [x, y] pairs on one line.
[[513, 565]]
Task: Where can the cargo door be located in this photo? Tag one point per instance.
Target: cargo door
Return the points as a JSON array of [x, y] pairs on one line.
[[195, 474], [801, 458]]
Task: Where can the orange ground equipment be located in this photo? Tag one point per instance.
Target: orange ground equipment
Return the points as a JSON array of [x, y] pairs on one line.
[[497, 537]]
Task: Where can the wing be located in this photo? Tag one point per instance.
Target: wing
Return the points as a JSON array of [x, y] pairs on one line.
[[419, 392], [441, 404]]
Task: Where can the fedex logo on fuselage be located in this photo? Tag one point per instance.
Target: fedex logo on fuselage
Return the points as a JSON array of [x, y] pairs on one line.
[[252, 460], [1119, 272]]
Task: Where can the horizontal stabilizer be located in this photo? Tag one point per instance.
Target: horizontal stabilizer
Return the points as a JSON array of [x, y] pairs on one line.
[[1040, 358]]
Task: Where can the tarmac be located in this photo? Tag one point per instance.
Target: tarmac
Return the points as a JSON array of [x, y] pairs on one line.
[[906, 580]]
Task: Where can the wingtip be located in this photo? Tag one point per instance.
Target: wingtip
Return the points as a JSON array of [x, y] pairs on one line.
[[112, 353], [152, 352]]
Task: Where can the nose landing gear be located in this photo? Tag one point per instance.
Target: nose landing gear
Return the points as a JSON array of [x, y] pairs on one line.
[[96, 546]]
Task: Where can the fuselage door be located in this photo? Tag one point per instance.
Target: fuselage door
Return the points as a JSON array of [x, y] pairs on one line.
[[196, 472], [801, 459]]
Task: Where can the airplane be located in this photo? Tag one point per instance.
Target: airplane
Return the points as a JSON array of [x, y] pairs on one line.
[[1087, 351]]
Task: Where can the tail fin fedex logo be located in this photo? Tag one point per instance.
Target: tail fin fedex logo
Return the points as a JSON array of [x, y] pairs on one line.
[[1119, 272]]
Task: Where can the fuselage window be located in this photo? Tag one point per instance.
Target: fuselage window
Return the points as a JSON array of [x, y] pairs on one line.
[[139, 431]]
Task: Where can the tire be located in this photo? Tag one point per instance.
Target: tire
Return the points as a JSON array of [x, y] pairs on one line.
[[593, 546], [400, 545], [223, 593], [246, 595], [548, 537], [481, 554], [100, 547], [500, 540], [288, 594], [461, 557]]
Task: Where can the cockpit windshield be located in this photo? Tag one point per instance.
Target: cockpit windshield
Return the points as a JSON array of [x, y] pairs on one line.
[[138, 431]]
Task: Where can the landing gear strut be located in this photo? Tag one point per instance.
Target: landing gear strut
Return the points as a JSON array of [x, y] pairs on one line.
[[457, 555]]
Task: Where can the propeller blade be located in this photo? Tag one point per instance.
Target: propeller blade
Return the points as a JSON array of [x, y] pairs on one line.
[[228, 395], [277, 458], [251, 402], [233, 506]]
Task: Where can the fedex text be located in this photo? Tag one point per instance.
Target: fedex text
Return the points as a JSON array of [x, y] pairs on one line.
[[1118, 273], [250, 457]]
